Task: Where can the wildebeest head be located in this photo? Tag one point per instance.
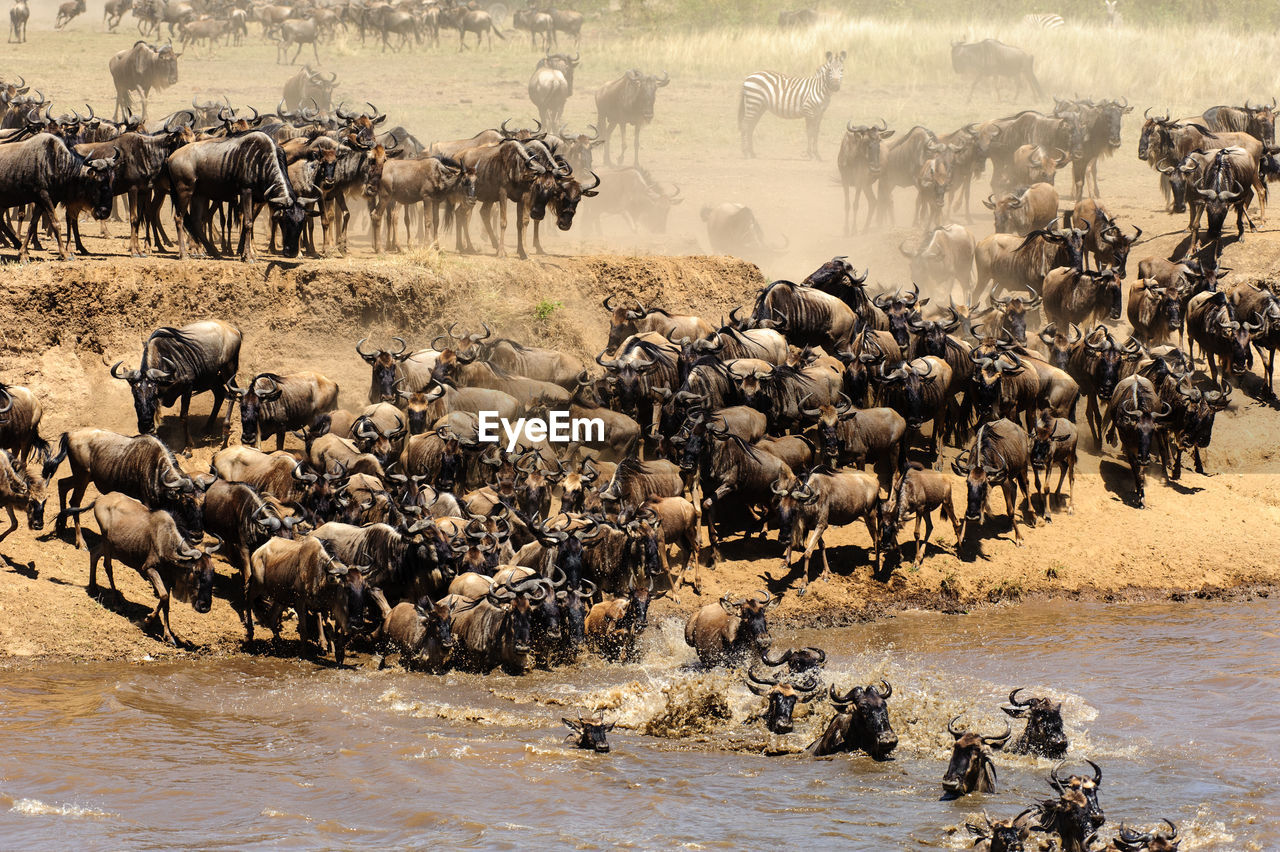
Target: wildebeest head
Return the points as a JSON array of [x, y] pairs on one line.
[[643, 90], [194, 581], [979, 476], [568, 193], [1044, 435], [913, 377], [1262, 124], [146, 386], [1002, 835], [782, 698], [1012, 311], [251, 400], [1141, 424], [987, 379], [385, 366], [1200, 407], [1086, 786], [100, 176], [1058, 345], [869, 729], [752, 631], [863, 143], [1158, 840], [573, 615], [622, 322], [971, 769], [291, 216], [1044, 735], [899, 307], [1238, 335], [164, 66], [828, 419], [1105, 358], [589, 733], [1068, 817]]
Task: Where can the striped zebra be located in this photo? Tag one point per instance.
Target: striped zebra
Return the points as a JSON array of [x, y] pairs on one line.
[[789, 97], [1043, 21]]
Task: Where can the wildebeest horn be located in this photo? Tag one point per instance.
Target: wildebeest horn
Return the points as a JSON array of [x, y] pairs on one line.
[[1000, 739], [778, 661], [888, 690], [957, 734], [1013, 698]]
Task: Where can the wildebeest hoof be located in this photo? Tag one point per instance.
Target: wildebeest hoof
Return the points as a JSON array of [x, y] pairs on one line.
[[800, 592]]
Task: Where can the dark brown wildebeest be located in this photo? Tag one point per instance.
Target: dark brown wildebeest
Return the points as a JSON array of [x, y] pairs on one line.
[[1087, 786], [859, 165], [1157, 840], [810, 316], [781, 700], [1155, 312], [392, 369], [613, 627], [920, 391], [44, 171], [303, 575], [945, 255], [813, 503], [245, 169], [1229, 181], [919, 492], [150, 542], [25, 486], [1105, 242], [1258, 121], [1011, 313], [1247, 300], [861, 723], [1053, 442], [421, 633], [1002, 835], [141, 68], [545, 365], [244, 521], [1224, 337], [993, 59], [140, 467], [178, 363], [738, 480], [627, 100], [728, 631], [1005, 260], [1043, 735], [971, 769], [589, 733], [494, 630], [505, 171], [999, 455], [1068, 818], [1024, 211], [1138, 416], [1075, 296], [273, 404]]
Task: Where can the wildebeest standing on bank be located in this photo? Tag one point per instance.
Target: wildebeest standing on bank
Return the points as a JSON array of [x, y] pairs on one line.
[[43, 171], [179, 362], [551, 86], [18, 16], [308, 86], [151, 543], [789, 97], [992, 58], [859, 164], [141, 68], [627, 100], [248, 169]]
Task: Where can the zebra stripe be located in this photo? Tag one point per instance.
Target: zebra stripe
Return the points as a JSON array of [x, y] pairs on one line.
[[1044, 22], [790, 97]]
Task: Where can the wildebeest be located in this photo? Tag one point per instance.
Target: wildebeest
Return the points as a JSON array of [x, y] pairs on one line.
[[861, 723], [613, 627], [789, 97], [273, 404], [627, 100], [551, 86], [310, 87], [25, 486], [178, 363], [20, 415], [151, 543], [999, 455], [1024, 211], [990, 58], [244, 520], [141, 68], [248, 170], [859, 165], [633, 194], [1034, 164], [919, 492], [1155, 312], [589, 733], [1105, 242], [67, 12], [1004, 260], [1249, 300], [1087, 786], [1043, 735], [140, 467], [945, 256], [475, 21], [19, 14], [823, 498], [494, 629], [44, 172], [729, 630], [1138, 416], [781, 698], [1001, 835], [303, 575], [733, 229], [1258, 121], [1053, 444], [971, 769], [1224, 337], [1074, 296], [420, 632]]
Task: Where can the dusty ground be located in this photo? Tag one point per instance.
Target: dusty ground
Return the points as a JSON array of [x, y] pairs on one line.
[[59, 321]]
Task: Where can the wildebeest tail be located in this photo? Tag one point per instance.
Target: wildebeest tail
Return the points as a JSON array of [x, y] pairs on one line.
[[447, 224], [51, 463], [1031, 77]]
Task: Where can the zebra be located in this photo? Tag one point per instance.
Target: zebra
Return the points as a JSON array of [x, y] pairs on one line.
[[789, 97], [1043, 21]]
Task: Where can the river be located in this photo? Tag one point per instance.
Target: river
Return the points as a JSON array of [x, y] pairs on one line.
[[1176, 702]]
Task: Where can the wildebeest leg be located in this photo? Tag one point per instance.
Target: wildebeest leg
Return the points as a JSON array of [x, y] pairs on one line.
[[635, 149], [13, 523], [848, 209], [485, 209], [135, 248], [247, 214], [1094, 416], [874, 532], [1139, 476], [1068, 467], [73, 228], [186, 423], [161, 612], [520, 218], [1011, 506], [45, 205]]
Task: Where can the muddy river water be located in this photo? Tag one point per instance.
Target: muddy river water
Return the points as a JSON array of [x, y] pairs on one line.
[[1177, 702]]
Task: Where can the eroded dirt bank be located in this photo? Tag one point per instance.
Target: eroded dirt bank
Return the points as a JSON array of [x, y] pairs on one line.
[[1202, 536]]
